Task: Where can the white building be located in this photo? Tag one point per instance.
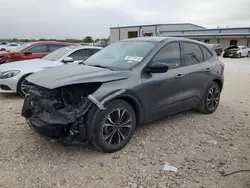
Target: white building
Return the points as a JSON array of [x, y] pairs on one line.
[[223, 36]]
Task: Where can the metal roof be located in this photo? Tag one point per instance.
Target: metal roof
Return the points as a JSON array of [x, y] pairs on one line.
[[158, 25], [160, 39], [152, 39], [214, 29], [207, 35]]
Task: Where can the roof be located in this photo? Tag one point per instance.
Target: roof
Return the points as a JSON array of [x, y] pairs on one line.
[[213, 29], [151, 39], [51, 42], [160, 39], [158, 25], [84, 47], [207, 35]]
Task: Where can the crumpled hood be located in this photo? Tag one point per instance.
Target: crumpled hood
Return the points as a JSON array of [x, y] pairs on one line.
[[26, 64], [74, 74]]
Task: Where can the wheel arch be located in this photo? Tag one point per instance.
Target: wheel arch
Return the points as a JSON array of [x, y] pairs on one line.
[[135, 104], [128, 97], [19, 81], [219, 82]]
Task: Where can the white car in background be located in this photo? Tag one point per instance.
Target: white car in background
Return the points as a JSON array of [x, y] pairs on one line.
[[236, 51], [9, 46], [12, 75]]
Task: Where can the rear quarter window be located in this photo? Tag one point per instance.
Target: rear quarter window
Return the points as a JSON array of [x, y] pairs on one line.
[[206, 53]]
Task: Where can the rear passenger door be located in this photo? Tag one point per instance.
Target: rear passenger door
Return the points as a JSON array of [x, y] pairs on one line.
[[198, 71]]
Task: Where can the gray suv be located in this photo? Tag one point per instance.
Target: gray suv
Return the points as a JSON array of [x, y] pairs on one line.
[[127, 83]]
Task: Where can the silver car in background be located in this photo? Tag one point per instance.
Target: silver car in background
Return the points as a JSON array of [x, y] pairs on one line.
[[12, 75], [9, 46]]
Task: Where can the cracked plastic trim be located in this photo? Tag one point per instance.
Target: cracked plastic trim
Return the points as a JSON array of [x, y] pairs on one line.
[[101, 104]]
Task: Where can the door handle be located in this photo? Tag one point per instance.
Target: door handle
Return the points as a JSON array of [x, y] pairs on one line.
[[208, 70], [179, 76]]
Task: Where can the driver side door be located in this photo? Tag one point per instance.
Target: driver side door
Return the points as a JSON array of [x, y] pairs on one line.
[[163, 92]]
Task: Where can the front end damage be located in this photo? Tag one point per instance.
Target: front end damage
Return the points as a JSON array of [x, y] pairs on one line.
[[61, 113]]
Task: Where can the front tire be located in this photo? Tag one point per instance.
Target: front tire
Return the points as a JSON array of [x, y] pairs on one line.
[[239, 55], [211, 99], [23, 86], [114, 127]]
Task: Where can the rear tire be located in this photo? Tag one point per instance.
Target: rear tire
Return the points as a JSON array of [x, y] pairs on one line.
[[2, 49], [120, 127], [211, 98]]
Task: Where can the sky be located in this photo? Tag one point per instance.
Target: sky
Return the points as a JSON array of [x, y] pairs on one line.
[[60, 19]]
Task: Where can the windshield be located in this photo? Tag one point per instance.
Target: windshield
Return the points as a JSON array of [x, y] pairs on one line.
[[56, 55], [20, 48], [123, 55]]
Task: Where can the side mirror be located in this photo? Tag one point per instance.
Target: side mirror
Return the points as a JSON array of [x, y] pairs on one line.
[[68, 60], [158, 67], [27, 53]]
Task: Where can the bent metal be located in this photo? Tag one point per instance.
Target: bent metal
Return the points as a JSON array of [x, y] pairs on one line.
[[66, 123]]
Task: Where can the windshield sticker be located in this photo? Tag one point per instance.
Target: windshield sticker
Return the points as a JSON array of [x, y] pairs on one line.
[[133, 58]]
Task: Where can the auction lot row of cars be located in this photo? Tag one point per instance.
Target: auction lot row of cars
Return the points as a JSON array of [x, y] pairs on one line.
[[80, 94]]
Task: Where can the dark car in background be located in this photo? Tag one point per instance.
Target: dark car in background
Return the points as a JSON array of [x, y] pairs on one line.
[[32, 50], [130, 82], [218, 48]]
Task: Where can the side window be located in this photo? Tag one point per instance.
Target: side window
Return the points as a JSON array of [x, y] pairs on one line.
[[54, 47], [169, 54], [93, 51], [40, 49], [206, 53], [13, 45], [81, 54], [192, 53]]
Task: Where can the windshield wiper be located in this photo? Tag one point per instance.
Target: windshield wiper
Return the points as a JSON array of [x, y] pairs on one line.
[[104, 67], [81, 63]]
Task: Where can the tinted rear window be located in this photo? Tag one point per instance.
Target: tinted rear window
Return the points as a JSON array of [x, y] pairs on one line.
[[192, 53], [206, 53]]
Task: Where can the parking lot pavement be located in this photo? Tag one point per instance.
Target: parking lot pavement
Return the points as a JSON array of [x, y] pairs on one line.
[[201, 147]]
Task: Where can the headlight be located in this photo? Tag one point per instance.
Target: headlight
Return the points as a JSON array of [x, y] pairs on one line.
[[9, 74]]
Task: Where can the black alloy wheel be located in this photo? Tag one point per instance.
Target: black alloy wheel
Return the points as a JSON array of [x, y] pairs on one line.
[[211, 99], [114, 126], [117, 126]]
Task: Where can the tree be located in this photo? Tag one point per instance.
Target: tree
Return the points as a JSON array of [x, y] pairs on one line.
[[88, 39]]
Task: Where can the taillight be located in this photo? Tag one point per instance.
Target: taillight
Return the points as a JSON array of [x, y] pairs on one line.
[[222, 67]]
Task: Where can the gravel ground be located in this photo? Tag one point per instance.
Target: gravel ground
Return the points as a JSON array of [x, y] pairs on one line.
[[202, 147]]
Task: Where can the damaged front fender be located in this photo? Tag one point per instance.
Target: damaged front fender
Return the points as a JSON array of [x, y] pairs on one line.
[[100, 104]]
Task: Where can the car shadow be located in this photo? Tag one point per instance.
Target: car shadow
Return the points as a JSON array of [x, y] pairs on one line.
[[141, 129], [9, 96]]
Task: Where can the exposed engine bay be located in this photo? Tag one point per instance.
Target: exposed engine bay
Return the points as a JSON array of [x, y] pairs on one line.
[[60, 113]]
